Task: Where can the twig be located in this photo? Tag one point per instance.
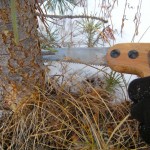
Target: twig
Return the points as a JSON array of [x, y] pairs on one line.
[[144, 34], [72, 17]]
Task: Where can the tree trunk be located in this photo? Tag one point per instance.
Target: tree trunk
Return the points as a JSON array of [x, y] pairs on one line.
[[21, 67]]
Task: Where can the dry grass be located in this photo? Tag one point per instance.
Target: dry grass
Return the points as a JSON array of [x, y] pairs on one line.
[[58, 119]]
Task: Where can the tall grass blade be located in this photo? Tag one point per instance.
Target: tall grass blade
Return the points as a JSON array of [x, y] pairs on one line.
[[14, 20]]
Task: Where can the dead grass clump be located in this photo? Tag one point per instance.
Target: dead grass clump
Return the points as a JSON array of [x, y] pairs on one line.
[[62, 120]]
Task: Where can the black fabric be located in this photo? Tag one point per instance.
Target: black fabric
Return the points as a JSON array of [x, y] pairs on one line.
[[139, 93], [141, 111], [145, 132], [139, 89]]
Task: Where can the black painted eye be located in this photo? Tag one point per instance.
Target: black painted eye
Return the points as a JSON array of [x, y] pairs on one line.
[[115, 53], [133, 54]]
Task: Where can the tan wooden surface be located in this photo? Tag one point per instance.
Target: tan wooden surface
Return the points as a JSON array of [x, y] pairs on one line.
[[139, 66]]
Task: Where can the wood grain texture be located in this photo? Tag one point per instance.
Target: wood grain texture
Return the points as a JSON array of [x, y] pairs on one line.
[[139, 66]]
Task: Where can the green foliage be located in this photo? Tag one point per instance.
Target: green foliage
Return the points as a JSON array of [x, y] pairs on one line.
[[14, 20], [61, 5], [90, 28], [112, 80], [49, 39]]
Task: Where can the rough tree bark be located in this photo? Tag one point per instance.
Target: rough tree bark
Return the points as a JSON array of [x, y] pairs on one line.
[[21, 68]]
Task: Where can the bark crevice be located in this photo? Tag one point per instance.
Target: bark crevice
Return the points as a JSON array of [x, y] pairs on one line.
[[21, 68]]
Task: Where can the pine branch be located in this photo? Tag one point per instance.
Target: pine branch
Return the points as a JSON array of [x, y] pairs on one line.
[[72, 17]]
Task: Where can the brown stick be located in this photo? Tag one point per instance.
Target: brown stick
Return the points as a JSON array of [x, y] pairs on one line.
[[72, 17]]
